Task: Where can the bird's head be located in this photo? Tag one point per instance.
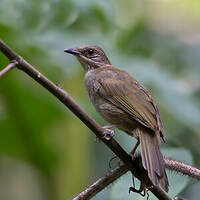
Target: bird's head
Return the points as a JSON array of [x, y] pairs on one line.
[[90, 56]]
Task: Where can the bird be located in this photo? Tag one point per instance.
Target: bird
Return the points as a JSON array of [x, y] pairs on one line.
[[127, 105]]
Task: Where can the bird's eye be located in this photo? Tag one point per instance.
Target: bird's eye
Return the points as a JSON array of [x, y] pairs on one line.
[[90, 52]]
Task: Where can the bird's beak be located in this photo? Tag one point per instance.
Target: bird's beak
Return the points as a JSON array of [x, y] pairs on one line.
[[72, 51]]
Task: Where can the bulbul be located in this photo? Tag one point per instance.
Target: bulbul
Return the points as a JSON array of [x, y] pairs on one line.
[[126, 104]]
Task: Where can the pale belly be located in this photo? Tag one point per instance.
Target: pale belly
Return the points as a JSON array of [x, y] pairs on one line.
[[117, 117]]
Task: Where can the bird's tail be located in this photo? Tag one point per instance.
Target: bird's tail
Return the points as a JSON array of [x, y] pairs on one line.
[[152, 159]]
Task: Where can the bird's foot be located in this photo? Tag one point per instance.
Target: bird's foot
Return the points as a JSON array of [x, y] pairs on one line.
[[108, 132], [141, 191]]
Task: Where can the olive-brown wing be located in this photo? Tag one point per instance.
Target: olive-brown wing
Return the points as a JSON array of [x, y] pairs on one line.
[[132, 98]]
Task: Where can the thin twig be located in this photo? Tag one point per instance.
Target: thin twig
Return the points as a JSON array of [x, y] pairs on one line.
[[67, 100], [8, 68], [182, 168], [101, 183], [113, 175]]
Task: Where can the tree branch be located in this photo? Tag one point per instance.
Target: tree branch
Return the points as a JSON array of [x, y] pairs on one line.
[[102, 183], [182, 168], [113, 175], [67, 100]]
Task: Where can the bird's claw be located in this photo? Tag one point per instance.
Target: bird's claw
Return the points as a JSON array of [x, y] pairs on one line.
[[132, 189], [108, 133]]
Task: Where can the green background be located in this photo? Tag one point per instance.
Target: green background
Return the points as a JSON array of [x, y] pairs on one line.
[[46, 153]]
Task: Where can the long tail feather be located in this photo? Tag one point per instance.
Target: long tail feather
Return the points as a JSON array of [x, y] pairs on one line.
[[152, 159]]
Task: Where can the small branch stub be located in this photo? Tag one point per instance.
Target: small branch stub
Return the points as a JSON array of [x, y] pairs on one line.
[[12, 64]]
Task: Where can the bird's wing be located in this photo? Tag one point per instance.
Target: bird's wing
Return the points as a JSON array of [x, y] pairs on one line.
[[123, 91]]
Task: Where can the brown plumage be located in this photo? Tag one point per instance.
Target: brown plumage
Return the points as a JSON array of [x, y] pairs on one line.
[[126, 104]]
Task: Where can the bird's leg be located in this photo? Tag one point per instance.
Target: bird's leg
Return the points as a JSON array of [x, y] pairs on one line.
[[108, 132], [142, 190], [134, 149]]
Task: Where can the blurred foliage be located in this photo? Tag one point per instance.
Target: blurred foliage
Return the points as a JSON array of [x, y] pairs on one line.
[[45, 152]]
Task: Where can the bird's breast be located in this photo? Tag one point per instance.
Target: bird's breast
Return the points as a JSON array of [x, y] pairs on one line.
[[106, 109], [92, 86]]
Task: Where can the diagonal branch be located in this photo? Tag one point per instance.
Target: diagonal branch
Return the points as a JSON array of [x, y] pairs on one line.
[[67, 100]]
